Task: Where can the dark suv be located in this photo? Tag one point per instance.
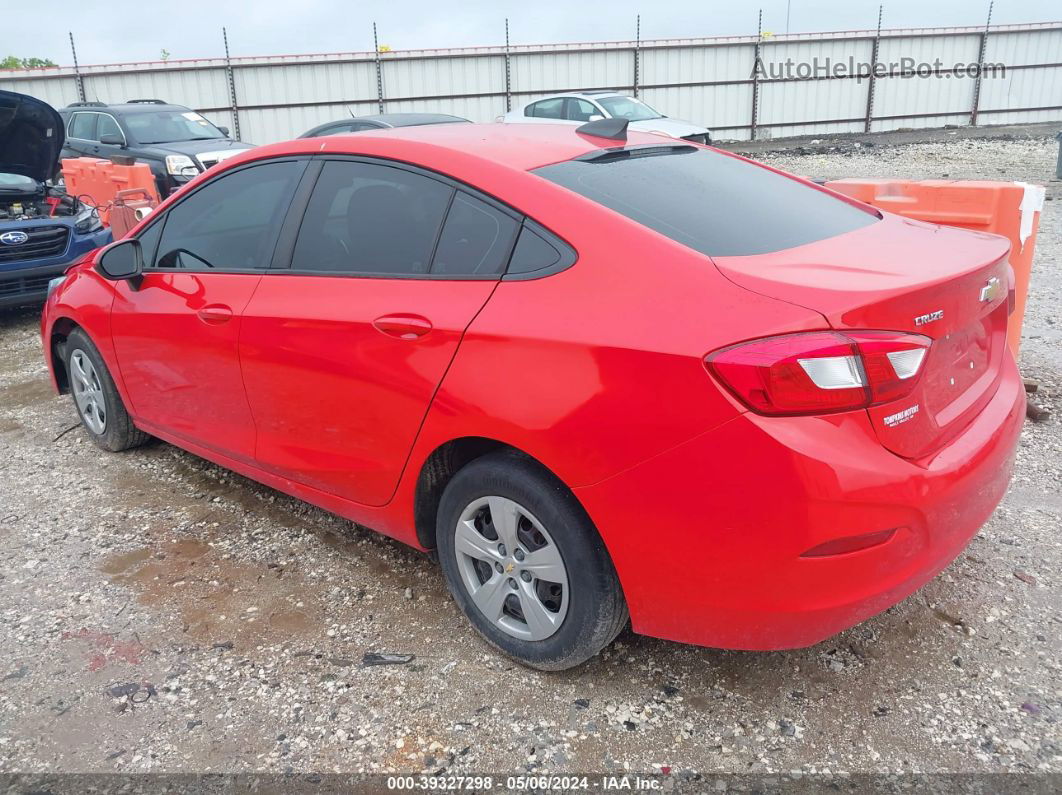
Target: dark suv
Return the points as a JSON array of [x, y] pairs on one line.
[[174, 140]]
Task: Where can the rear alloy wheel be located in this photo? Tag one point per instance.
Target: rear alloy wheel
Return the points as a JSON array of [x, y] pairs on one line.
[[98, 403], [526, 565], [511, 568]]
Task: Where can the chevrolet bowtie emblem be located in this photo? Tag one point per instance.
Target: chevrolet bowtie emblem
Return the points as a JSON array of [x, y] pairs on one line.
[[992, 290]]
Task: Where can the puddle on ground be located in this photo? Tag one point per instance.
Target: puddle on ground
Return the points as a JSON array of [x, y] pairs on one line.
[[218, 600], [26, 393]]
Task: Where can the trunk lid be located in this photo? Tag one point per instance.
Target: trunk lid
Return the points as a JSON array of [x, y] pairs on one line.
[[904, 275]]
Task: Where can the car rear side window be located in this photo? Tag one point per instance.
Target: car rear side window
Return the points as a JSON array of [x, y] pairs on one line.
[[83, 126], [713, 203], [371, 219], [476, 239], [548, 109], [231, 223], [538, 252]]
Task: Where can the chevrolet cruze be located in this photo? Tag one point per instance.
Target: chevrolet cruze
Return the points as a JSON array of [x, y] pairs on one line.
[[604, 378]]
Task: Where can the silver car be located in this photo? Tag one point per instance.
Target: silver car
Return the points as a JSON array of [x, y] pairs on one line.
[[581, 107]]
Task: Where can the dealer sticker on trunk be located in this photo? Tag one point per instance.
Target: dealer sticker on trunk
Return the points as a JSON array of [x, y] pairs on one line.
[[900, 417]]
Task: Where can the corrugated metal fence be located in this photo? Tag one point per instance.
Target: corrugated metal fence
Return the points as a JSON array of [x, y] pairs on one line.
[[917, 82]]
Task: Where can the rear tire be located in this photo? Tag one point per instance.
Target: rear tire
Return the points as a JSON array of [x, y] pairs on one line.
[[525, 564], [98, 404]]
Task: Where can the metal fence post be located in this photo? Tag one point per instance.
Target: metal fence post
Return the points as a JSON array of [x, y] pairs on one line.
[[873, 74], [379, 69], [508, 71], [232, 87], [980, 68], [756, 78], [77, 71], [637, 50]]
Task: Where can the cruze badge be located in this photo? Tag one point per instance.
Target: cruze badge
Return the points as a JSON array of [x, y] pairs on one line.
[[921, 320], [15, 238], [992, 290]]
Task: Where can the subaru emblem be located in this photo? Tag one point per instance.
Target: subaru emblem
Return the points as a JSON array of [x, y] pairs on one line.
[[14, 238]]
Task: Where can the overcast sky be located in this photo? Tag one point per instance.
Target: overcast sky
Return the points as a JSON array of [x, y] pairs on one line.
[[106, 33]]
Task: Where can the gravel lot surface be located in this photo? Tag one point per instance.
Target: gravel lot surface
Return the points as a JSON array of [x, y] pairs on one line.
[[158, 613]]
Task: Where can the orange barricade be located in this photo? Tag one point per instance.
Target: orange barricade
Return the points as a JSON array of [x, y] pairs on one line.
[[100, 181], [1010, 209]]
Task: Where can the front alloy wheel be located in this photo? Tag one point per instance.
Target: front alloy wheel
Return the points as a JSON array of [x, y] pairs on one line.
[[88, 392]]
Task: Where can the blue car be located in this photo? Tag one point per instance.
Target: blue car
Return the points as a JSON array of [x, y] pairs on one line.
[[42, 229]]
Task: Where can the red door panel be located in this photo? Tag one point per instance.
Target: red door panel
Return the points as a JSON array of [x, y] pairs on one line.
[[340, 372], [175, 339]]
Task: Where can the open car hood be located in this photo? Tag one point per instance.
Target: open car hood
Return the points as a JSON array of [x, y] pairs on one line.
[[31, 136]]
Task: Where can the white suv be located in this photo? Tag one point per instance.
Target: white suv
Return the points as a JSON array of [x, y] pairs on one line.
[[579, 108]]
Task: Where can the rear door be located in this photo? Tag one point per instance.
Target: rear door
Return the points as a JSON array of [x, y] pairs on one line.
[[176, 332], [343, 351]]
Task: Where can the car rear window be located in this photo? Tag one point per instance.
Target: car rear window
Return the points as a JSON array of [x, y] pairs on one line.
[[715, 204]]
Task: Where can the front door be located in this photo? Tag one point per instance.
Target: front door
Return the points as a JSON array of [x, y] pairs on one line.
[[342, 353], [176, 332]]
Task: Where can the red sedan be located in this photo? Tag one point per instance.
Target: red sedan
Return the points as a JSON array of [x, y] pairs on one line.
[[600, 377]]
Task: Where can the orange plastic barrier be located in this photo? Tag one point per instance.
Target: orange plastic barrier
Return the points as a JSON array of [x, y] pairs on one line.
[[100, 181], [1010, 209]]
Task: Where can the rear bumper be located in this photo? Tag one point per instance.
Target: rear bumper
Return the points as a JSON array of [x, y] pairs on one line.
[[707, 538]]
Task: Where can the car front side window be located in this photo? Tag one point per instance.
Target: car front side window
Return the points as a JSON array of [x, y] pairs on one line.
[[230, 224], [107, 126]]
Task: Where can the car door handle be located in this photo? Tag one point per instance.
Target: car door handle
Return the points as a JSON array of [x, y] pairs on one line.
[[215, 314], [404, 327]]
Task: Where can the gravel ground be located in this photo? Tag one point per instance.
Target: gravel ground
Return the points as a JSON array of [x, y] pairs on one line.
[[158, 613]]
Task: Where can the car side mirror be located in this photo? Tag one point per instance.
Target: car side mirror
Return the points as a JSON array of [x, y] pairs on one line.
[[595, 117], [112, 140], [224, 131], [122, 261]]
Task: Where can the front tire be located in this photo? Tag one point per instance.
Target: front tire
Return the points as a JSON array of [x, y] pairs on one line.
[[98, 403], [526, 565]]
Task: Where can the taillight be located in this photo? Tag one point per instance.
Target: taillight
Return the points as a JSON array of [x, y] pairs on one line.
[[821, 371]]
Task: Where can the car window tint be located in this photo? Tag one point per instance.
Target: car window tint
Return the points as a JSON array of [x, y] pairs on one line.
[[548, 108], [83, 125], [581, 110], [714, 203], [371, 219], [231, 223], [107, 126], [476, 239], [533, 253]]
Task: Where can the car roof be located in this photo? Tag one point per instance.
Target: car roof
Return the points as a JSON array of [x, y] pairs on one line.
[[514, 146], [582, 95], [410, 119], [124, 107]]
